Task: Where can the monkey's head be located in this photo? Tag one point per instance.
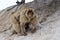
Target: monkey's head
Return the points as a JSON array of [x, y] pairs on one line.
[[30, 13]]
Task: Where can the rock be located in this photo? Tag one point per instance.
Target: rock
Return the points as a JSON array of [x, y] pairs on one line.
[[48, 15]]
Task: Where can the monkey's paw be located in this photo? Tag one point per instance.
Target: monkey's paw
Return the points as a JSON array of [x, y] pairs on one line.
[[33, 30], [20, 34]]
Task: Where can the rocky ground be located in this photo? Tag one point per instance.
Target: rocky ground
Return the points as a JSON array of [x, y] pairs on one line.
[[49, 29]]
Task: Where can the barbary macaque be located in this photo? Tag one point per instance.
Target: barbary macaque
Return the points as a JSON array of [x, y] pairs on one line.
[[23, 20]]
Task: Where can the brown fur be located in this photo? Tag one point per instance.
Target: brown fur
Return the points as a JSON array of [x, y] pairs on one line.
[[14, 18], [19, 19]]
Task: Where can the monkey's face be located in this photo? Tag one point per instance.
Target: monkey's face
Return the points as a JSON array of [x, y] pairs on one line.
[[29, 14]]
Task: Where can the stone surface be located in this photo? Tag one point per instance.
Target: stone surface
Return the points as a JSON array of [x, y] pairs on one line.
[[48, 15]]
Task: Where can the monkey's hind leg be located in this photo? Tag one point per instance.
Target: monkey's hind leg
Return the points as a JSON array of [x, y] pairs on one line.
[[16, 25]]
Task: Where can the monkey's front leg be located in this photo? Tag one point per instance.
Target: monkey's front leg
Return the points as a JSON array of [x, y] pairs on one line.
[[33, 29], [34, 23], [23, 30]]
